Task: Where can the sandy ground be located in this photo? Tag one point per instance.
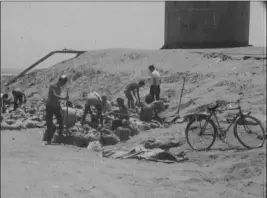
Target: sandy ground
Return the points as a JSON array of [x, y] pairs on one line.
[[29, 169]]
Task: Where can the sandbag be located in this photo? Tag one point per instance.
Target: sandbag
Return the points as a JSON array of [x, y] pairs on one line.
[[245, 122], [134, 130], [30, 124], [148, 99], [159, 105], [123, 133], [16, 126], [94, 146], [111, 139], [72, 118], [80, 141], [91, 137]]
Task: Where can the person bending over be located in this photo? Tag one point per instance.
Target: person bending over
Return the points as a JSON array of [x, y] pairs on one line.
[[101, 104], [132, 90], [18, 97]]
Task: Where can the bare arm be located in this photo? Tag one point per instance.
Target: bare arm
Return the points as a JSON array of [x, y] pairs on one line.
[[138, 95], [134, 93], [25, 100], [54, 93]]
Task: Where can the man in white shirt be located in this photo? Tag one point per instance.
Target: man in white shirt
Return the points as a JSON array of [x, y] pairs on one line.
[[155, 82]]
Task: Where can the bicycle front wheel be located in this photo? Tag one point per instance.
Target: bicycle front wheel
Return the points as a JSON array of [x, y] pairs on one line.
[[249, 132], [200, 134]]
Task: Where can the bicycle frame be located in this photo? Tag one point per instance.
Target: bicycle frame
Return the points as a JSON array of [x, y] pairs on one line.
[[229, 126], [212, 113]]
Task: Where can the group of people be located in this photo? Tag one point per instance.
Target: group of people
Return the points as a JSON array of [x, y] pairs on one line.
[[101, 103], [19, 98]]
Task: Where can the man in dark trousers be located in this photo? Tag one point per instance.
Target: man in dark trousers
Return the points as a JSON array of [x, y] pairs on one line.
[[3, 101], [53, 108], [131, 90], [18, 97], [155, 82]]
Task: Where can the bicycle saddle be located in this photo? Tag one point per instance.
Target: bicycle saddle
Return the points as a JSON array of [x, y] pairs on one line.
[[213, 107]]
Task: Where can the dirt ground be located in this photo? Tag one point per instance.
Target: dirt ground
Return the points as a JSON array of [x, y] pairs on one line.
[[29, 169]]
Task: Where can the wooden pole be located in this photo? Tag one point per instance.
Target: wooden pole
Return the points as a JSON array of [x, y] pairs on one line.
[[181, 95]]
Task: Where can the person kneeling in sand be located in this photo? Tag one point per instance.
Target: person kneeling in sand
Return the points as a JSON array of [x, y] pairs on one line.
[[148, 110], [101, 104], [131, 90]]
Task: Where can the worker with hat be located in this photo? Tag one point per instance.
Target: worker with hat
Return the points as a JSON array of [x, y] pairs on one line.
[[53, 108]]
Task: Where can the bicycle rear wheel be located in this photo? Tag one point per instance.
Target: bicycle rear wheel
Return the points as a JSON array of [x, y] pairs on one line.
[[203, 130], [249, 132]]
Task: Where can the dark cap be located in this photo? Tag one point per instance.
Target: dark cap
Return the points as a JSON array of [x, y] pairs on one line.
[[141, 83], [151, 67]]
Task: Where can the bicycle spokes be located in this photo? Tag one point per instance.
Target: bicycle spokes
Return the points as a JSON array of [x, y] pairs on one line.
[[251, 133], [200, 135]]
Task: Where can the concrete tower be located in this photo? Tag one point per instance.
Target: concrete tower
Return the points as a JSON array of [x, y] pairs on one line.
[[206, 24]]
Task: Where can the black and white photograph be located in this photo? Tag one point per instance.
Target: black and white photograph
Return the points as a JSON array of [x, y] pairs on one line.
[[133, 99]]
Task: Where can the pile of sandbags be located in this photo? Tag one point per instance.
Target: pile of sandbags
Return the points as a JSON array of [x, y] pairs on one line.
[[82, 136], [22, 118]]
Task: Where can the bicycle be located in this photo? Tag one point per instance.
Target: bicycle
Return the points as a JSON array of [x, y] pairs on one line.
[[239, 119]]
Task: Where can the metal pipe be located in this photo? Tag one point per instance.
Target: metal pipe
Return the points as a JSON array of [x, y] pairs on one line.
[[41, 60]]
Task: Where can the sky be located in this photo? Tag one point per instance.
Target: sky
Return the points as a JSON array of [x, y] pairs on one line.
[[30, 30]]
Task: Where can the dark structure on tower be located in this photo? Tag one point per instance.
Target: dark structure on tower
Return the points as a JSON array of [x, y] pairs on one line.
[[206, 24]]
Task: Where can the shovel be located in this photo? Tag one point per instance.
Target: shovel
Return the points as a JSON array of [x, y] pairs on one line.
[[178, 117], [67, 110], [181, 97]]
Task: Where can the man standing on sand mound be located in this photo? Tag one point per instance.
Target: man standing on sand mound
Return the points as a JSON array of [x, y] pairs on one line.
[[53, 108], [155, 83]]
